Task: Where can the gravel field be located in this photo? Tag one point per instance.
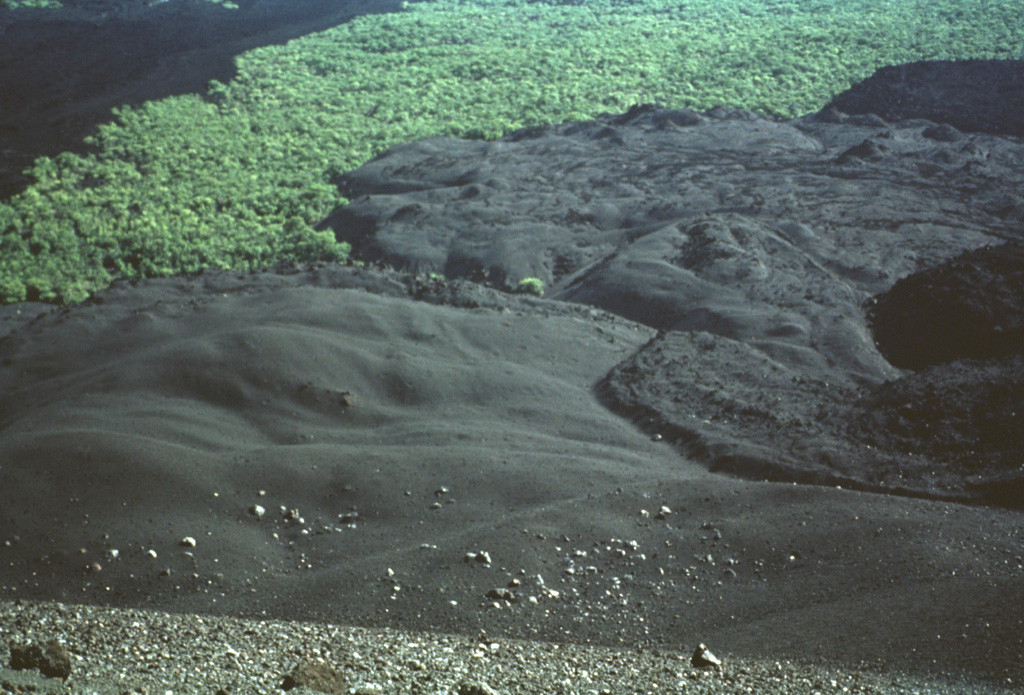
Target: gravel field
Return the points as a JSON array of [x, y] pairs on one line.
[[133, 651]]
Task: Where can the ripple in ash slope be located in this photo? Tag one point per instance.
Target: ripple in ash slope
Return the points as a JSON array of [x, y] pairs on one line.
[[159, 411]]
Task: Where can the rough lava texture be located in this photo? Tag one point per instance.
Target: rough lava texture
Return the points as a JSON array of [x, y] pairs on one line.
[[753, 246], [985, 96], [967, 308]]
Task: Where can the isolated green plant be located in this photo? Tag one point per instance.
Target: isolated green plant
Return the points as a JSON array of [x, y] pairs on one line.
[[534, 286]]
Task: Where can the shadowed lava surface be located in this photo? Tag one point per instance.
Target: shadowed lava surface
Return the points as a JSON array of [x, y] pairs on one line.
[[973, 95]]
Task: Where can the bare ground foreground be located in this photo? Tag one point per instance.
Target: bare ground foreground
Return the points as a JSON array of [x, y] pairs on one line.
[[414, 462], [770, 402]]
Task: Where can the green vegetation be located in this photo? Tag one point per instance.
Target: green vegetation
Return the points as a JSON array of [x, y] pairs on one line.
[[38, 4], [534, 286], [239, 177]]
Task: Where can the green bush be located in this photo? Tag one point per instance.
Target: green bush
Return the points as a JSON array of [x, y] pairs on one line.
[[534, 286]]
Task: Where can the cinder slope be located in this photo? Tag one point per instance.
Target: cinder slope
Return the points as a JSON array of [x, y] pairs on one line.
[[406, 435]]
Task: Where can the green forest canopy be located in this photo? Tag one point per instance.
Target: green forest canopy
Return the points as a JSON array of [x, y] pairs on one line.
[[238, 177]]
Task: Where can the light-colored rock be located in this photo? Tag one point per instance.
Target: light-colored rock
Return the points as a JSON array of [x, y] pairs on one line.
[[703, 658]]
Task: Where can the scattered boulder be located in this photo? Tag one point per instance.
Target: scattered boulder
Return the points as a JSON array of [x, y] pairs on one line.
[[315, 676], [366, 689], [51, 659], [502, 594], [476, 688], [703, 658]]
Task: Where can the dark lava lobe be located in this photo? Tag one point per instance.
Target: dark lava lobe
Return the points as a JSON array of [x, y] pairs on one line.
[[980, 96], [754, 246], [971, 307]]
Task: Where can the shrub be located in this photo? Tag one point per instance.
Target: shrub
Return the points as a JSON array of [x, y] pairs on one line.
[[534, 286]]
